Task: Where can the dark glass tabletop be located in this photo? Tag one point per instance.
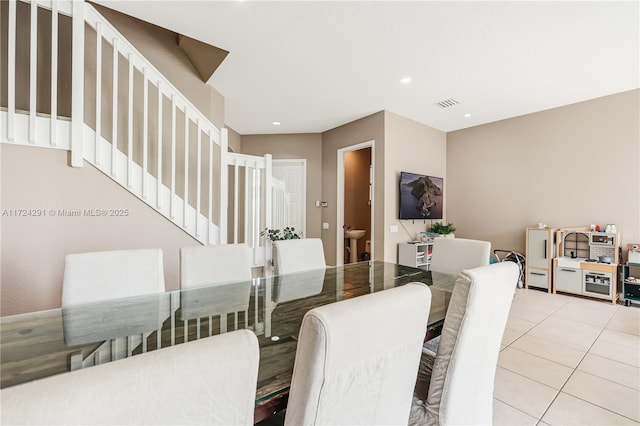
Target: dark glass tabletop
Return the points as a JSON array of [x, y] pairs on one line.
[[41, 344]]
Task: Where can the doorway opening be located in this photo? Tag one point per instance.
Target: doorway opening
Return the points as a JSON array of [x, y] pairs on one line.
[[355, 203]]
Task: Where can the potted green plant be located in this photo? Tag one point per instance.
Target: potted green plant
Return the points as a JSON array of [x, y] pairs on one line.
[[443, 230], [288, 233]]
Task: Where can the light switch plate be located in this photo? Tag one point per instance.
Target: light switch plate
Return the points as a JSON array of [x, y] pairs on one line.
[[325, 225], [393, 229]]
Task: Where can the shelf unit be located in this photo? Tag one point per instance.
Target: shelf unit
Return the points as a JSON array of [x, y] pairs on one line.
[[417, 255], [631, 283], [572, 273]]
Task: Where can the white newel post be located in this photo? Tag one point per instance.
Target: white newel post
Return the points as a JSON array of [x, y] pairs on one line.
[[77, 85], [223, 167]]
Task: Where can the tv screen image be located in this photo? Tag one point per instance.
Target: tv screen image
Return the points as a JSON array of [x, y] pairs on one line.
[[420, 196]]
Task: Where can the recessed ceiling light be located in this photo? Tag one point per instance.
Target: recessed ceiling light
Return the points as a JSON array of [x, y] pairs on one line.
[[275, 338], [467, 115], [275, 123], [405, 80]]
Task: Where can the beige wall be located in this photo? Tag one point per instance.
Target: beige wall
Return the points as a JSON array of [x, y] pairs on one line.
[[33, 248], [295, 146], [569, 166], [411, 147], [370, 128], [414, 147], [235, 141]]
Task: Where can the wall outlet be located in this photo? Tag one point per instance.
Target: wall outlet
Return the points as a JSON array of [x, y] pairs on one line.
[[393, 229], [325, 225], [317, 203]]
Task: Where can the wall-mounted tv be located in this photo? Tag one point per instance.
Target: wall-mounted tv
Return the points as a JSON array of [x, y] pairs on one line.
[[420, 196]]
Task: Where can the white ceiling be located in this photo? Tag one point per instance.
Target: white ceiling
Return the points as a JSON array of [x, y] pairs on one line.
[[315, 65]]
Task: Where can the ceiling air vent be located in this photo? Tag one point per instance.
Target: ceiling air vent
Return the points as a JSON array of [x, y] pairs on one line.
[[448, 103]]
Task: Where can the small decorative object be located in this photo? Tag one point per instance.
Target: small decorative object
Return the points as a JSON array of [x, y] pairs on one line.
[[427, 237], [288, 233], [442, 229]]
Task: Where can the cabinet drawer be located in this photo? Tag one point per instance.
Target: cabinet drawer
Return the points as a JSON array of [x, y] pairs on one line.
[[538, 278], [568, 279]]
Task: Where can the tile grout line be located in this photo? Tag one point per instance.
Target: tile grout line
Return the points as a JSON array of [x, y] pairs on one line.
[[547, 316], [538, 420], [572, 372], [576, 369]]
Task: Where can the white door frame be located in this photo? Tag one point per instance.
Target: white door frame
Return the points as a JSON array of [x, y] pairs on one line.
[[303, 163], [340, 202]]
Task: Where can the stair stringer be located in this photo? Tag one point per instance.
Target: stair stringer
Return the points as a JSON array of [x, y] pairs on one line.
[[157, 196]]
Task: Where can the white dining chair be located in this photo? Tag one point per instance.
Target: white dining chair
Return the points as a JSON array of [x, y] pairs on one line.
[[214, 264], [291, 256], [455, 385], [216, 281], [208, 381], [357, 359], [106, 276], [452, 255]]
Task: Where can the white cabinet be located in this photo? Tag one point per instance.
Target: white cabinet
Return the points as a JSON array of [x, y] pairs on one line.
[[568, 279], [417, 255], [540, 252], [586, 278]]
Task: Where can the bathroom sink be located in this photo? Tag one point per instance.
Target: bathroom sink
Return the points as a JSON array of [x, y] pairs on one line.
[[355, 233]]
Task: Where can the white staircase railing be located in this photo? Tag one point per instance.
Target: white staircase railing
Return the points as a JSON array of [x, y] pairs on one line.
[[252, 191], [131, 123]]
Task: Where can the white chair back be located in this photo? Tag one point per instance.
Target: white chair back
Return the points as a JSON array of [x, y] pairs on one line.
[[215, 264], [357, 359], [461, 386], [298, 255], [216, 281], [452, 255], [207, 381], [107, 275]]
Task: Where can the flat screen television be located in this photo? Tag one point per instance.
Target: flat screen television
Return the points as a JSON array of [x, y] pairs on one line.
[[420, 196]]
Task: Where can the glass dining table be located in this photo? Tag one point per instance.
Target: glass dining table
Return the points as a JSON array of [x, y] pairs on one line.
[[41, 344]]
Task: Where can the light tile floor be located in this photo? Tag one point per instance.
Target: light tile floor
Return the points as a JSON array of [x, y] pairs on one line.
[[568, 360]]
